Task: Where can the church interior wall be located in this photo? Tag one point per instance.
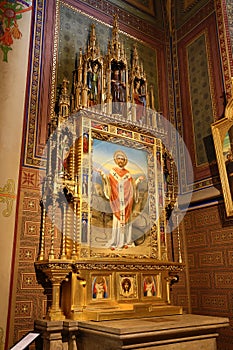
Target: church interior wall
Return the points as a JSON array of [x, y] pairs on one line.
[[13, 68], [206, 285]]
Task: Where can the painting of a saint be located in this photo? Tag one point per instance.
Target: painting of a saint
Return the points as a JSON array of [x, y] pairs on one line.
[[125, 190], [121, 190]]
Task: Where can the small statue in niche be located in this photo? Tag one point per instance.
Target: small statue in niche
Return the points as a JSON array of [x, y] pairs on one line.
[[167, 171], [139, 97], [85, 143], [118, 87], [136, 92], [84, 228], [64, 147], [93, 82], [143, 92], [85, 185]]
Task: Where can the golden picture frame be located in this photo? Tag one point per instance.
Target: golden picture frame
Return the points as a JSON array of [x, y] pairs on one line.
[[127, 288], [222, 131], [144, 154], [101, 287], [151, 286]]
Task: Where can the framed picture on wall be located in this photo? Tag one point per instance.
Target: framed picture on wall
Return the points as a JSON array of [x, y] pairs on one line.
[[222, 131], [151, 286]]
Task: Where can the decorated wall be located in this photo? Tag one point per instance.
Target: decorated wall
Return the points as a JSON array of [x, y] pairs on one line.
[[15, 19], [208, 242], [205, 286], [59, 30]]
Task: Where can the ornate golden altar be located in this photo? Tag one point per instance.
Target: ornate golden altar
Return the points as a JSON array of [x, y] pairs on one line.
[[107, 257]]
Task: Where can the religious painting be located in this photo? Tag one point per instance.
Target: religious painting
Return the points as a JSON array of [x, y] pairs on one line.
[[151, 286], [127, 287], [119, 196], [123, 189], [100, 287], [223, 140]]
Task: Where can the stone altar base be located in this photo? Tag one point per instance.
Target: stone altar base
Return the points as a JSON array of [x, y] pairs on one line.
[[178, 332]]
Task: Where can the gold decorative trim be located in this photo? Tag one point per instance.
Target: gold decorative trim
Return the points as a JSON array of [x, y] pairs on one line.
[[7, 196], [219, 132], [109, 265]]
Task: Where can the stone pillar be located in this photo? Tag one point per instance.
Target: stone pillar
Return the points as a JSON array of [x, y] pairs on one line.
[[70, 334], [51, 333]]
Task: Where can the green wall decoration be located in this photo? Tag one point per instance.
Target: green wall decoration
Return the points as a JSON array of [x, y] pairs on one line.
[[202, 112]]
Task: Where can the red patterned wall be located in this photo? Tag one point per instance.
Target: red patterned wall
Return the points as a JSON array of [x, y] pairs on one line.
[[30, 300], [209, 237]]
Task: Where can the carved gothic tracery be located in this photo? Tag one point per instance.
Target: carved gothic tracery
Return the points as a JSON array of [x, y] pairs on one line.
[[108, 80]]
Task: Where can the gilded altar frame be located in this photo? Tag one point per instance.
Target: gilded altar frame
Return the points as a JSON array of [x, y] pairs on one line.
[[90, 276], [104, 139], [222, 135]]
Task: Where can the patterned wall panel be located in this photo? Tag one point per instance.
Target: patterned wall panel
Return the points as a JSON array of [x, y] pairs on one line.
[[224, 280], [211, 259], [201, 220], [230, 257], [197, 240], [224, 45], [229, 8], [186, 9], [148, 10], [202, 102], [218, 302], [211, 276], [30, 299], [146, 6], [221, 236], [201, 280]]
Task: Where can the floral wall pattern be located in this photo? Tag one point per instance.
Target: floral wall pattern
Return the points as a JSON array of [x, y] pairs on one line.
[[10, 14]]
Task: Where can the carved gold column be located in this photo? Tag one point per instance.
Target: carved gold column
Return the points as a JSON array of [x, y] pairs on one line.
[[52, 230], [109, 95], [79, 83], [63, 248], [84, 90], [152, 99], [74, 249], [41, 255], [56, 273]]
